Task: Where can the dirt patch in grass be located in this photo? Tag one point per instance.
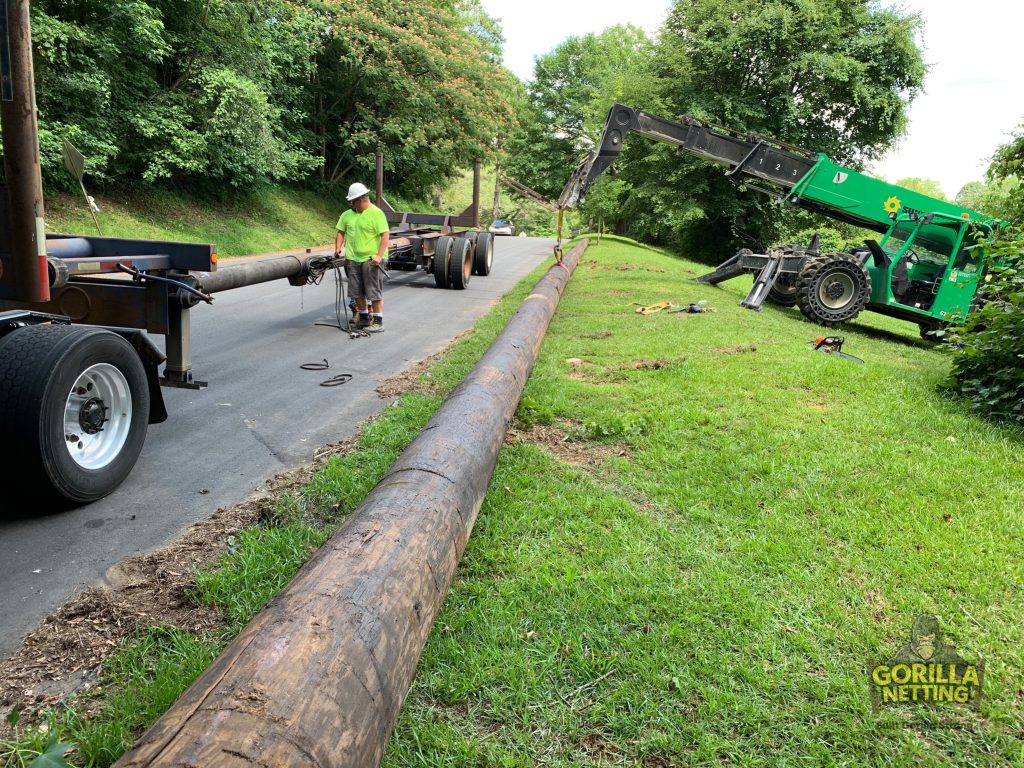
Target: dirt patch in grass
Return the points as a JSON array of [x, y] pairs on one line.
[[740, 350], [66, 650], [599, 748], [410, 379], [560, 443], [646, 365], [595, 335], [592, 264]]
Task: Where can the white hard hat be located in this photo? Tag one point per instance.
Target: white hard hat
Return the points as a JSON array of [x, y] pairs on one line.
[[356, 191]]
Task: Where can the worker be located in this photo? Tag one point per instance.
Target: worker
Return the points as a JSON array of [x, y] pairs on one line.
[[362, 231]]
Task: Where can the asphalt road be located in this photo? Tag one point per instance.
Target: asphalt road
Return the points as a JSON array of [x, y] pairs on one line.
[[260, 415]]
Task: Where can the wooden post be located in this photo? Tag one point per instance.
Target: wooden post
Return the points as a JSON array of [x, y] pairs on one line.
[[379, 179], [497, 191], [21, 155], [318, 677], [476, 193]]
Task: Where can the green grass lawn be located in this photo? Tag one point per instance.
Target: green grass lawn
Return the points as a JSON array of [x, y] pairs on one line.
[[701, 535], [777, 520]]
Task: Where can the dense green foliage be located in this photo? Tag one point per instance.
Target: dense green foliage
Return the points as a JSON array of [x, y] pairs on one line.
[[988, 368], [243, 93], [833, 77], [1008, 169], [410, 79], [996, 197]]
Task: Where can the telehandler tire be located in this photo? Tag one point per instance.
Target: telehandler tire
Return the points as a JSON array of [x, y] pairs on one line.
[[832, 289], [74, 411], [783, 291]]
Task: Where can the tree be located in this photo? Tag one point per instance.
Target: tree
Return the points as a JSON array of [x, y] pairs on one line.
[[567, 101], [929, 187], [408, 79], [248, 92], [1008, 167], [994, 198], [174, 89], [832, 77]]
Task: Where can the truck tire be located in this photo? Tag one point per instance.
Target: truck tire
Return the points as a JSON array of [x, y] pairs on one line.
[[832, 289], [442, 258], [74, 410], [460, 267], [483, 254]]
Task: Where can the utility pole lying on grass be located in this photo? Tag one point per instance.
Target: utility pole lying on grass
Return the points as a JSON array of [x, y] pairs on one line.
[[318, 677]]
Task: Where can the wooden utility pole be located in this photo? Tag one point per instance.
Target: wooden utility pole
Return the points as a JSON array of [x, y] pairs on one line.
[[318, 677], [21, 154], [497, 190]]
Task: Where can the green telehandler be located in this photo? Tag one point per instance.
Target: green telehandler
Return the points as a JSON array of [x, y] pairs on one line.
[[924, 267]]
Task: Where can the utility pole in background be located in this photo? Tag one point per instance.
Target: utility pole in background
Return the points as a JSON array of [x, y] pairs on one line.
[[497, 189]]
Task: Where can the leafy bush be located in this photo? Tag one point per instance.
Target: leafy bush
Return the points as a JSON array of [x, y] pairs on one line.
[[989, 365]]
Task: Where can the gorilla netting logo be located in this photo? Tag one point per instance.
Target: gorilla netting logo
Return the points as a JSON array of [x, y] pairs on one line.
[[926, 670]]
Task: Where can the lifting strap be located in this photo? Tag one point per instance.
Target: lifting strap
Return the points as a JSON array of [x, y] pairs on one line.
[[558, 235]]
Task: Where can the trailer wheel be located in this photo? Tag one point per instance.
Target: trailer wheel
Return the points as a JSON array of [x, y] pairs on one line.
[[832, 289], [483, 255], [74, 410], [461, 265], [442, 258]]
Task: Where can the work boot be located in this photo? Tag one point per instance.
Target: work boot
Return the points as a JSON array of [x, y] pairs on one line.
[[363, 322], [376, 325]]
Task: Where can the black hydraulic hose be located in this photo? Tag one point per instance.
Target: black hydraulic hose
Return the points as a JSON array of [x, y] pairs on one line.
[[168, 281]]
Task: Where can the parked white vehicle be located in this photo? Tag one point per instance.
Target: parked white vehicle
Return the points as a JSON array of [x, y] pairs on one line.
[[502, 227]]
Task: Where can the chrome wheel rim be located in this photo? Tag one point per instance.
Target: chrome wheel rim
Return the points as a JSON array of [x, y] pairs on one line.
[[97, 416]]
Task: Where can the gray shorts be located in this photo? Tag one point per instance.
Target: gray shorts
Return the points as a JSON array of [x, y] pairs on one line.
[[365, 280]]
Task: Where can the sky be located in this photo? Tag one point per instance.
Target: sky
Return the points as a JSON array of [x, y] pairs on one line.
[[973, 91]]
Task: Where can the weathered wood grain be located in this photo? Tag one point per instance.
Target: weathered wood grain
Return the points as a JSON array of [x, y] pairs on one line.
[[318, 677]]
